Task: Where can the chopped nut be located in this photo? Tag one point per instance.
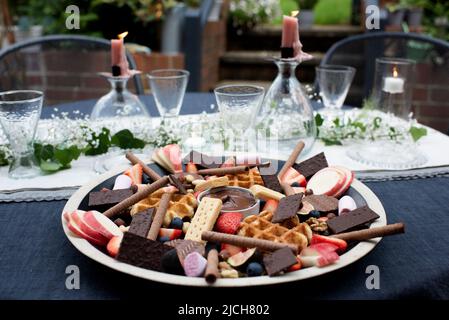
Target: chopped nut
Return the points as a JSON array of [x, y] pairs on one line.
[[224, 265], [317, 225], [198, 182], [229, 273], [185, 227], [189, 178]]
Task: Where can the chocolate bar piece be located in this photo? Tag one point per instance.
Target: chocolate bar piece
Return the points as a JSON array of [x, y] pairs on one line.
[[102, 200], [322, 202], [203, 160], [141, 252], [352, 220], [311, 166], [177, 184], [141, 222], [279, 261], [271, 181], [287, 208], [188, 246]]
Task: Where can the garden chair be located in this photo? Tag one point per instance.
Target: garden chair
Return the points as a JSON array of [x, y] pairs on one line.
[[64, 67]]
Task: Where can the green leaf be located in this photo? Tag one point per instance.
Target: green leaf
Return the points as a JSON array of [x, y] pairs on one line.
[[3, 159], [376, 122], [331, 142], [44, 152], [319, 120], [124, 139], [417, 132], [50, 166], [98, 144]]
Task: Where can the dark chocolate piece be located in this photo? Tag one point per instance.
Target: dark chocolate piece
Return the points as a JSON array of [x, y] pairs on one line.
[[311, 166], [177, 184], [322, 203], [102, 200], [351, 220], [142, 252], [171, 264], [116, 71], [271, 181], [203, 160], [141, 222], [287, 208], [279, 261]]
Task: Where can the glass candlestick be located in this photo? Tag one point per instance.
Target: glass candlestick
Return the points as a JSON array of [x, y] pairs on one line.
[[286, 115], [119, 102]]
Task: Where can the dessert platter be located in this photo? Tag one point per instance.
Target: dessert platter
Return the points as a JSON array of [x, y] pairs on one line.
[[225, 221]]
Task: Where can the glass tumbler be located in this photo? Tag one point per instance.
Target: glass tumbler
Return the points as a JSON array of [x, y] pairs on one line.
[[19, 114]]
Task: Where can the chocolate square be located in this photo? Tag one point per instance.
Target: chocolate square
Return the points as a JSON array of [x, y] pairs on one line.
[[271, 181], [311, 166], [103, 200], [322, 203], [177, 184], [203, 160], [141, 222], [351, 220], [279, 261], [141, 252], [287, 208], [185, 247]]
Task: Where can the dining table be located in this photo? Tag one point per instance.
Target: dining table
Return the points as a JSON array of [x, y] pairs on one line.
[[36, 258]]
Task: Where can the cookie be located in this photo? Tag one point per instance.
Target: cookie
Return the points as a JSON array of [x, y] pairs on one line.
[[204, 218]]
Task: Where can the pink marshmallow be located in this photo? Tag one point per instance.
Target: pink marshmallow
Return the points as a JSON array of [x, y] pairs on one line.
[[122, 182], [194, 264], [346, 204]]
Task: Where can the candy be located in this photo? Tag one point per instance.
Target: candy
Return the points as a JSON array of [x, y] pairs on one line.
[[122, 182], [346, 204], [194, 264]]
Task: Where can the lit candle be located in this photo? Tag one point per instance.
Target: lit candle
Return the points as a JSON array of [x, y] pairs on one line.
[[393, 84], [118, 54]]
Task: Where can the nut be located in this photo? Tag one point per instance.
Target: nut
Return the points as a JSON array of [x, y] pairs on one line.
[[229, 273], [189, 178], [317, 225], [197, 182]]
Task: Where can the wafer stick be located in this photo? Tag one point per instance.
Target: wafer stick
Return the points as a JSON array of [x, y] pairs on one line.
[[159, 216], [246, 242], [291, 159], [136, 197], [371, 233], [212, 272], [222, 171], [148, 171], [288, 189]]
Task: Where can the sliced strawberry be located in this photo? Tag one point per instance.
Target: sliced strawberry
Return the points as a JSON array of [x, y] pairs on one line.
[[339, 243], [191, 168], [320, 255], [296, 266], [327, 258], [173, 154], [270, 205], [228, 222], [323, 247], [231, 250], [75, 229], [135, 173], [229, 162], [171, 234], [114, 246], [326, 181], [78, 217], [102, 224], [292, 176], [349, 175]]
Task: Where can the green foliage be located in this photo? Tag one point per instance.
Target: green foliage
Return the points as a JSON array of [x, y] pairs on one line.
[[329, 12], [418, 132], [306, 4], [125, 139], [52, 159]]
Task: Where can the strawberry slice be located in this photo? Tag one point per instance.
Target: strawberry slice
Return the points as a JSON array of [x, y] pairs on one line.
[[339, 243], [293, 176], [349, 178], [230, 249], [191, 168], [270, 205], [172, 152], [135, 173], [171, 234], [114, 246], [228, 222]]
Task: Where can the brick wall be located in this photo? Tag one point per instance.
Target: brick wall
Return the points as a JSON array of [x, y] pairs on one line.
[[431, 96]]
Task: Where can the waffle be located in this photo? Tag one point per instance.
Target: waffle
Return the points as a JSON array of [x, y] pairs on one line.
[[245, 180], [181, 205], [261, 227]]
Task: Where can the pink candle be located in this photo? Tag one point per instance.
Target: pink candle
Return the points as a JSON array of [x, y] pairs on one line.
[[289, 31], [118, 54]]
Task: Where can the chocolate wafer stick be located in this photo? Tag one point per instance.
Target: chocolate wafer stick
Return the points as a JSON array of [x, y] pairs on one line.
[[136, 197], [291, 159], [222, 171], [159, 216], [246, 242], [288, 189], [148, 171], [212, 273], [371, 233]]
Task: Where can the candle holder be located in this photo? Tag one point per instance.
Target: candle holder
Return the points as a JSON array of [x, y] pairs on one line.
[[119, 102], [391, 96], [286, 115]]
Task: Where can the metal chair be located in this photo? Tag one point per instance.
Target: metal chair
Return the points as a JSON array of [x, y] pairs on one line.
[[432, 68], [64, 67]]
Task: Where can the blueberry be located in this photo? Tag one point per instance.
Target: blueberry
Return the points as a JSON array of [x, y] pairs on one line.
[[296, 185], [254, 269], [176, 223], [164, 239], [314, 214]]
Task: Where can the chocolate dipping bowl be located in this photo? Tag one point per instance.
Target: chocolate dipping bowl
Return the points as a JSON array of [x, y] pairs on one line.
[[247, 210]]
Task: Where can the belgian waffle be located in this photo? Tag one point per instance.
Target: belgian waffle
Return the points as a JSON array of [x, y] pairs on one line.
[[261, 227], [181, 205], [245, 180]]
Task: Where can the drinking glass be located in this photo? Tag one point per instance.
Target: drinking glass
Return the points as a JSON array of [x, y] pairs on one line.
[[168, 87], [239, 105], [19, 113], [334, 82]]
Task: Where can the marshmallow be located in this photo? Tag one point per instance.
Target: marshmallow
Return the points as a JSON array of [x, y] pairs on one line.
[[122, 182], [346, 204], [194, 264]]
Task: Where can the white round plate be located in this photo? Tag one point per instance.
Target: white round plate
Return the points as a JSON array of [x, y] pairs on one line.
[[351, 256]]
